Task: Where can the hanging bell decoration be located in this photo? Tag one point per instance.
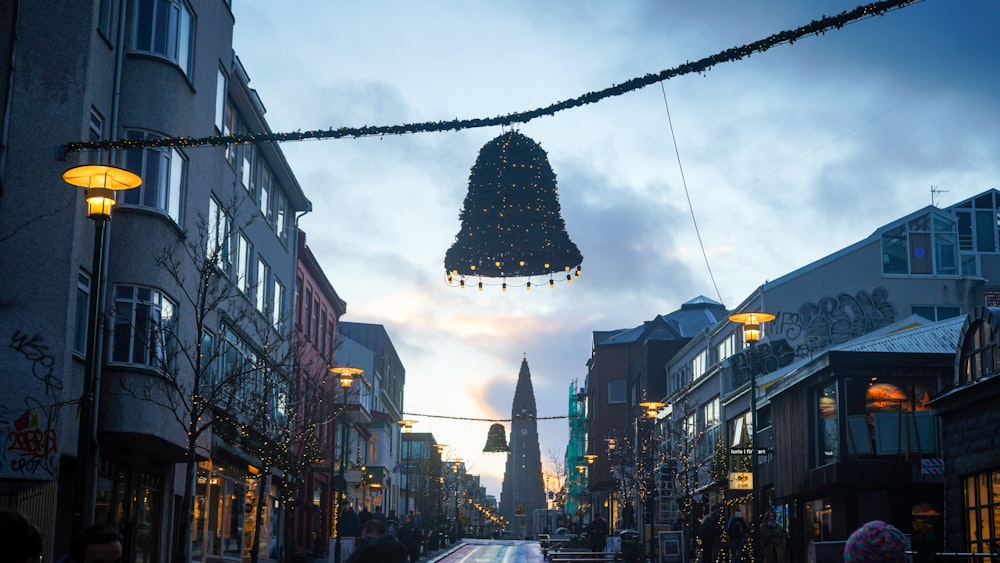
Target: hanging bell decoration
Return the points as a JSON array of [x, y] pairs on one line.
[[512, 225], [496, 440]]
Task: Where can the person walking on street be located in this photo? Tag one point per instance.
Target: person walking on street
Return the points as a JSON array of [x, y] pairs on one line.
[[737, 530], [597, 531], [709, 532], [375, 546], [772, 539], [411, 536]]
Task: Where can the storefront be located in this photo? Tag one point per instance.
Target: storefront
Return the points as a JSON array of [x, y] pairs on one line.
[[226, 501]]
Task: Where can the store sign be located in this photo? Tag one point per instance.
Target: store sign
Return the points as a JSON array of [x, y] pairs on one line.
[[741, 480]]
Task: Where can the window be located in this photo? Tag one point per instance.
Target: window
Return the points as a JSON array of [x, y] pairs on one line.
[[699, 365], [144, 323], [263, 290], [710, 413], [887, 416], [278, 306], [164, 28], [230, 128], [307, 313], [242, 264], [280, 216], [982, 511], [247, 171], [265, 194], [219, 227], [936, 313], [163, 172], [82, 313], [96, 132], [616, 392], [105, 21], [925, 245], [725, 348], [827, 429], [221, 89], [979, 353]]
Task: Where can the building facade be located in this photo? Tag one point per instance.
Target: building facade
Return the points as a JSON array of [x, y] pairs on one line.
[[129, 73]]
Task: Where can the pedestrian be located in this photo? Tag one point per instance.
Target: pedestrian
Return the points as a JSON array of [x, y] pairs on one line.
[[737, 530], [875, 542], [20, 540], [375, 546], [97, 543], [709, 532], [392, 524], [348, 524], [411, 537], [772, 539], [364, 516], [597, 531]]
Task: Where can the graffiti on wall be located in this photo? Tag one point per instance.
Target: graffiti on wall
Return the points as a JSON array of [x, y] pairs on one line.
[[815, 326], [28, 444]]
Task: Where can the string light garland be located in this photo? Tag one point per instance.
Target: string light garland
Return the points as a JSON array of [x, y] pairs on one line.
[[815, 27]]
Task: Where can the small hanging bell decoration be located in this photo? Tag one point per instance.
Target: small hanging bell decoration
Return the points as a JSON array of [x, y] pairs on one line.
[[512, 225], [496, 440]]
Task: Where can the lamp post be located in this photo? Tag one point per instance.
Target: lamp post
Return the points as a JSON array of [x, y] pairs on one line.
[[345, 376], [439, 448], [407, 428], [101, 182], [751, 334]]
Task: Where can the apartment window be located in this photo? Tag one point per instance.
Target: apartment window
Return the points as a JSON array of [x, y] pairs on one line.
[[278, 305], [828, 435], [247, 171], [163, 171], [307, 313], [230, 128], [710, 413], [82, 313], [105, 19], [165, 28], [144, 323], [280, 216], [207, 362], [96, 132], [221, 90], [266, 179], [699, 365], [242, 265], [725, 348], [616, 392], [263, 289], [219, 227]]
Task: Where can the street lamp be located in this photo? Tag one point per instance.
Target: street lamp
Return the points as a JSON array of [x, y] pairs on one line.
[[407, 428], [751, 334], [345, 376], [101, 183]]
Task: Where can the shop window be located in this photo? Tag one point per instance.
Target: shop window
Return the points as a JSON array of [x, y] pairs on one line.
[[828, 433], [982, 512], [889, 417]]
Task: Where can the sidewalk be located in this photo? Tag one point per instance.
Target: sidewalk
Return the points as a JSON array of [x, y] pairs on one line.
[[432, 556]]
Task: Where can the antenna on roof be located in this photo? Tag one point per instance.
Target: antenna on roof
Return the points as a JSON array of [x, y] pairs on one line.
[[934, 192]]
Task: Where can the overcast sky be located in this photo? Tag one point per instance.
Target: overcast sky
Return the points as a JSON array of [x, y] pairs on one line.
[[787, 156]]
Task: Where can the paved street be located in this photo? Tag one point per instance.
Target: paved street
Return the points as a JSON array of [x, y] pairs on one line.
[[490, 551]]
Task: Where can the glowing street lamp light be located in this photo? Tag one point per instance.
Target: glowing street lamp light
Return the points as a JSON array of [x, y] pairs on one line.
[[751, 322], [652, 408], [345, 378], [101, 183]]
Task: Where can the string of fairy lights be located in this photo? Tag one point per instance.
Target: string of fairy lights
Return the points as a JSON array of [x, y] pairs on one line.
[[815, 27]]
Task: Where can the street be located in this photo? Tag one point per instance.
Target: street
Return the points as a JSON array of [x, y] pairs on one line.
[[493, 550]]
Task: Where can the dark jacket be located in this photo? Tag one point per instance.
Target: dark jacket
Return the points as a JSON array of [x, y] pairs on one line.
[[385, 549]]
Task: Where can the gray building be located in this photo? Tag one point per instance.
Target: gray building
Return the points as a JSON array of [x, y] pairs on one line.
[[128, 73]]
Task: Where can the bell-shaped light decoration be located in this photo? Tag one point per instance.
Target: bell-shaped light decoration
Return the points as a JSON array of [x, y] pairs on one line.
[[496, 440], [512, 224]]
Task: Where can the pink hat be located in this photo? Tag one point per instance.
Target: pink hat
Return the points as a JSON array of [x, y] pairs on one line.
[[875, 542]]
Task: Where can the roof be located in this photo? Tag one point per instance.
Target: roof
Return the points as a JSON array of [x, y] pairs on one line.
[[693, 316]]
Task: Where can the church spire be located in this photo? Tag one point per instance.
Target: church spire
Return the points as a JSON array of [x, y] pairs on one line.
[[523, 488]]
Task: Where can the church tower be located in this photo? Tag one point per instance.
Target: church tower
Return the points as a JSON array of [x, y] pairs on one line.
[[523, 489]]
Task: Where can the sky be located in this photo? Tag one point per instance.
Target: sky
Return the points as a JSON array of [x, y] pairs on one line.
[[705, 184]]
